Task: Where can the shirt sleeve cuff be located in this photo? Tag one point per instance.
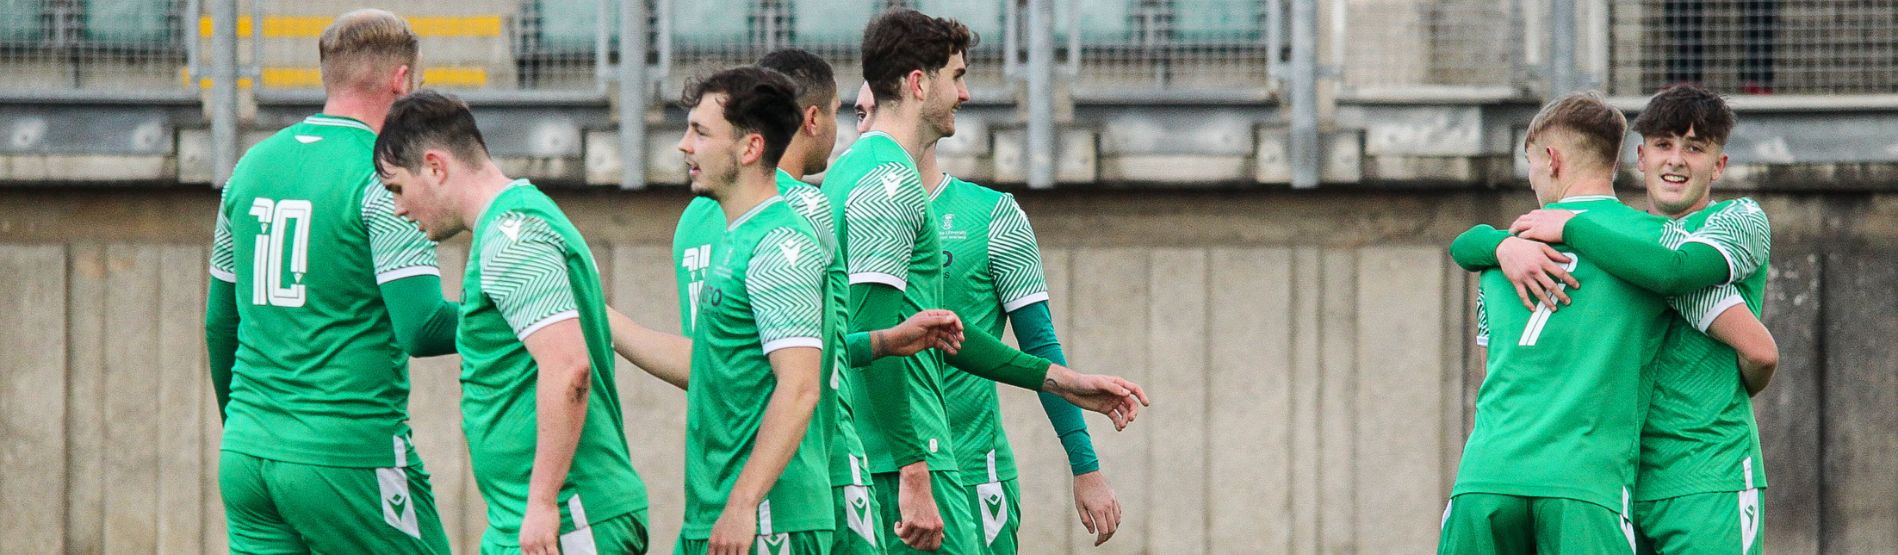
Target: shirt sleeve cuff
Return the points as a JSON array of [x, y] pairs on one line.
[[1733, 273], [879, 278], [1017, 304], [411, 271], [1482, 341], [790, 342], [1706, 320], [224, 276], [556, 318]]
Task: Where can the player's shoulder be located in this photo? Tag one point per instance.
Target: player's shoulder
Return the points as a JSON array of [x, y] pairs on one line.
[[1743, 207], [790, 245]]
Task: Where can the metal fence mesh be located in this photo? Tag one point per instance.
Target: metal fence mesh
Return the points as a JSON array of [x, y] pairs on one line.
[[95, 45], [1756, 46], [1169, 44], [1399, 44]]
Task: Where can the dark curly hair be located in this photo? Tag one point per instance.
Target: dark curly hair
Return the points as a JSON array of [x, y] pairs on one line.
[[423, 120], [905, 40], [757, 100], [1681, 107]]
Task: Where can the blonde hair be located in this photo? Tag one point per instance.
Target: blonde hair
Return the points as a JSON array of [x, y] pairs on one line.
[[363, 46], [1585, 121]]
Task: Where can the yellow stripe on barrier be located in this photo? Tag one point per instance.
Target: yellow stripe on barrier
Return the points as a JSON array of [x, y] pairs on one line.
[[309, 77], [311, 26]]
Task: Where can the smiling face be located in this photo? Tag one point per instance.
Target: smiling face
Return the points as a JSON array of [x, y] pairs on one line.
[[946, 90], [1679, 170], [711, 147]]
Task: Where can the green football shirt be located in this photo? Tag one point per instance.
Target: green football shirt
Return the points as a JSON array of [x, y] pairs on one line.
[[991, 267], [765, 291], [1559, 413], [848, 463], [700, 227], [530, 268], [887, 234], [1700, 435], [318, 378]]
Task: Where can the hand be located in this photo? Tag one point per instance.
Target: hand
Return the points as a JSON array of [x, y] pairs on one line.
[[735, 531], [540, 529], [921, 526], [1534, 267], [1115, 397], [1099, 509], [1543, 225], [935, 328]]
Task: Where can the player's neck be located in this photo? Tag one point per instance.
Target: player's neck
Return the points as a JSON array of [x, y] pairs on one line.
[[753, 188], [486, 184], [927, 169], [793, 161], [905, 124], [1655, 208], [1588, 186], [370, 111]]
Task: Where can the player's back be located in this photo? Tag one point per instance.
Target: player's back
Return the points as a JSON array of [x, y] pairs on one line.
[[886, 235], [1559, 412], [319, 378]]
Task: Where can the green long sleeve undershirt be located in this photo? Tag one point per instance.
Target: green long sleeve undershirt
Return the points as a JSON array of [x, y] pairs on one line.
[[1475, 250], [1630, 251], [423, 323], [220, 338], [981, 355], [874, 307], [1635, 256], [1034, 330]]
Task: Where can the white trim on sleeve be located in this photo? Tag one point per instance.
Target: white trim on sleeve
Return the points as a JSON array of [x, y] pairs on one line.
[[1733, 273], [548, 321], [1017, 304], [790, 342], [224, 276], [1482, 341], [880, 278], [1706, 320], [411, 271]]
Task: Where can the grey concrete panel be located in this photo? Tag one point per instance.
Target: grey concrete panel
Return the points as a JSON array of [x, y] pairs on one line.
[[1789, 410], [1047, 484], [85, 399], [1398, 397], [131, 410], [1860, 512], [1249, 387], [1177, 346], [1111, 323], [33, 396], [117, 130], [184, 385]]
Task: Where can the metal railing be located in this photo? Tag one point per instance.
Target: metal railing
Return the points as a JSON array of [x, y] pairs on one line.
[[106, 47], [1755, 46]]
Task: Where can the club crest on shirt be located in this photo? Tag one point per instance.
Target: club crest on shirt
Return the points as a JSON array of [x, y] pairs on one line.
[[949, 231]]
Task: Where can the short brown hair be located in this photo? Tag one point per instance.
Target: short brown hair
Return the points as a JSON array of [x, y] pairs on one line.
[[905, 40], [423, 120], [1683, 107], [1594, 127], [364, 45]]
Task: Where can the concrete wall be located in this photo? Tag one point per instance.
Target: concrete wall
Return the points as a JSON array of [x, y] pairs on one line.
[[1307, 354]]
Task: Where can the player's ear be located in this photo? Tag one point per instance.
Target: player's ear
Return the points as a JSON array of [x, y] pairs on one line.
[[1719, 167], [1555, 160], [754, 149], [811, 113], [435, 163], [399, 80], [913, 85]]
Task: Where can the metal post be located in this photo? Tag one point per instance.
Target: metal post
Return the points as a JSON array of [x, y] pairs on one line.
[[1304, 94], [602, 42], [223, 112], [1561, 47], [1041, 141], [633, 91]]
